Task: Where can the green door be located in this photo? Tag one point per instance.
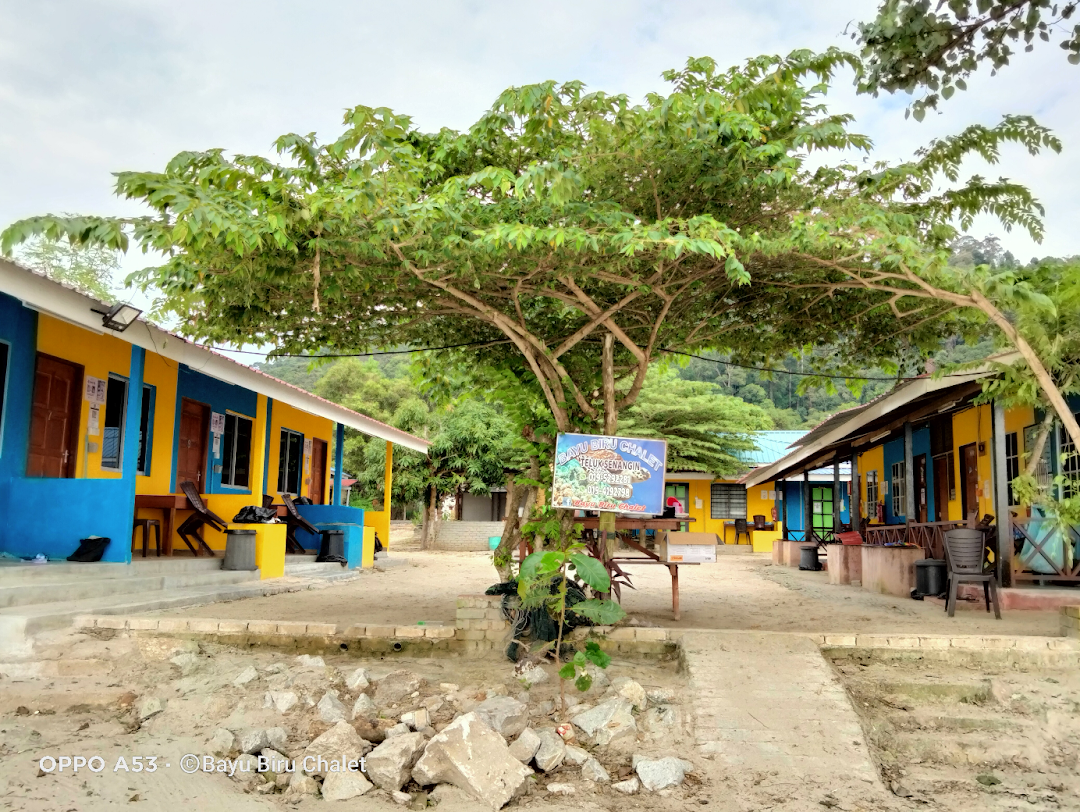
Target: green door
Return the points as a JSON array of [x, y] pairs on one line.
[[681, 491], [821, 498]]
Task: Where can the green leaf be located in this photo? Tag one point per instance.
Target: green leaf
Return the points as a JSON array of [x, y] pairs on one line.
[[579, 659], [596, 655], [530, 566], [550, 562], [567, 671], [591, 571], [602, 613], [583, 683]]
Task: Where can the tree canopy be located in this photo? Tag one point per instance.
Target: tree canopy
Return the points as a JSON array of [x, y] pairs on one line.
[[89, 268], [576, 232], [918, 45]]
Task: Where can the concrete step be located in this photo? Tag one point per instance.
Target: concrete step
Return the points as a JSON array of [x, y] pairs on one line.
[[312, 569], [975, 748], [19, 624], [14, 573], [38, 591]]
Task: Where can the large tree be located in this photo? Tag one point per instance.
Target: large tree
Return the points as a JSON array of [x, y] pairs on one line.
[[576, 234]]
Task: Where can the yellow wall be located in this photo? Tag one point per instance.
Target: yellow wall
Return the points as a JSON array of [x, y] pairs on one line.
[[99, 355], [701, 489], [379, 520], [872, 460], [285, 416], [973, 426], [161, 374]]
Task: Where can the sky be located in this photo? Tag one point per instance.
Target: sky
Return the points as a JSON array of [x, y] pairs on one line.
[[91, 87]]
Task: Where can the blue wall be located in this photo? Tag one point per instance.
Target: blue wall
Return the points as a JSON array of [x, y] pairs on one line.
[[796, 511], [51, 515], [18, 327], [219, 396], [893, 453]]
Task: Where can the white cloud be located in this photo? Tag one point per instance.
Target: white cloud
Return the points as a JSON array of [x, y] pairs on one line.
[[87, 89]]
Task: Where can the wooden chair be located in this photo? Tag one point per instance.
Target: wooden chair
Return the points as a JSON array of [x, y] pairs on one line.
[[202, 515], [741, 528], [964, 552], [759, 524], [294, 521], [146, 524]]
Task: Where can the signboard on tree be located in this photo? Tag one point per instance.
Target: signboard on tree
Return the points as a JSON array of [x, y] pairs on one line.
[[612, 474]]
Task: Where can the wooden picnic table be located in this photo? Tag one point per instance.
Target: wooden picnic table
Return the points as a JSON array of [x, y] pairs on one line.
[[168, 504], [647, 557], [650, 557]]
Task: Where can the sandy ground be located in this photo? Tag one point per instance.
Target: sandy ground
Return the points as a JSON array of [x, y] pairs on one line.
[[738, 592]]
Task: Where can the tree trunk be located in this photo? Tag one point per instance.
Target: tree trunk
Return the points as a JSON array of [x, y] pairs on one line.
[[1040, 443], [611, 414], [523, 497], [431, 517], [1045, 380]]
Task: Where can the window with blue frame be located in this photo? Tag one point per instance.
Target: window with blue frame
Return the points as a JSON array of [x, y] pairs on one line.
[[236, 451], [112, 440], [146, 429]]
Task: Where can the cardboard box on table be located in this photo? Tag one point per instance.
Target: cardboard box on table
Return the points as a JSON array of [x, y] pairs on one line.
[[687, 548]]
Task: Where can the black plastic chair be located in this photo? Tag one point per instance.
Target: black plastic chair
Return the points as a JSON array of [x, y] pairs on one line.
[[202, 515], [964, 554], [741, 528]]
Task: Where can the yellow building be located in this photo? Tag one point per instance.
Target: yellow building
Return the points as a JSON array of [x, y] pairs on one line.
[[714, 505], [105, 417], [925, 457]]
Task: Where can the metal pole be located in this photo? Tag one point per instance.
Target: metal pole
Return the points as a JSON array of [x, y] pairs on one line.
[[808, 509], [999, 479], [782, 490], [855, 494], [909, 478], [836, 495]]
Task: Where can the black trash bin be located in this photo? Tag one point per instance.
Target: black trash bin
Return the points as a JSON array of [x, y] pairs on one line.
[[809, 559], [332, 547], [930, 576], [239, 550]]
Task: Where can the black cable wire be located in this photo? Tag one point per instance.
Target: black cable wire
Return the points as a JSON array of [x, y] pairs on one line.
[[672, 352]]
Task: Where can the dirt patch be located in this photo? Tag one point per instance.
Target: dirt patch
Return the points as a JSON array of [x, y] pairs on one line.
[[737, 592], [164, 697], [971, 736]]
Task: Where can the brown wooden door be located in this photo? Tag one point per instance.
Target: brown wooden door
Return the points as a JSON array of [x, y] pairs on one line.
[[54, 418], [191, 449], [317, 489], [969, 466], [941, 488], [920, 487]]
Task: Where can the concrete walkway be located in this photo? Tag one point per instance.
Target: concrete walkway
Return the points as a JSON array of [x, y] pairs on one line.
[[771, 716]]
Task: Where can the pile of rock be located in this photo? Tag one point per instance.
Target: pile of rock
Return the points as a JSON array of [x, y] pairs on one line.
[[355, 733]]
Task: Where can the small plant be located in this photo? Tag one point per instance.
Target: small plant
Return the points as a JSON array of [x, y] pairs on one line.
[[543, 581]]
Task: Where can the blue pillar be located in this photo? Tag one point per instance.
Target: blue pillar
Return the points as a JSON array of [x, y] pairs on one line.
[[339, 458], [131, 449]]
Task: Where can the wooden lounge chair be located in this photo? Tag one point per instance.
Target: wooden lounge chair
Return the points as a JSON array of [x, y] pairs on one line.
[[202, 515], [294, 520]]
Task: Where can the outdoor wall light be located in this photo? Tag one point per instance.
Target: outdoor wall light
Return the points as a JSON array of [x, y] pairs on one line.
[[118, 317]]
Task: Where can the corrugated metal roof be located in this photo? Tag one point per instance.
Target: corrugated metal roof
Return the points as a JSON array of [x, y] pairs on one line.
[[771, 446]]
